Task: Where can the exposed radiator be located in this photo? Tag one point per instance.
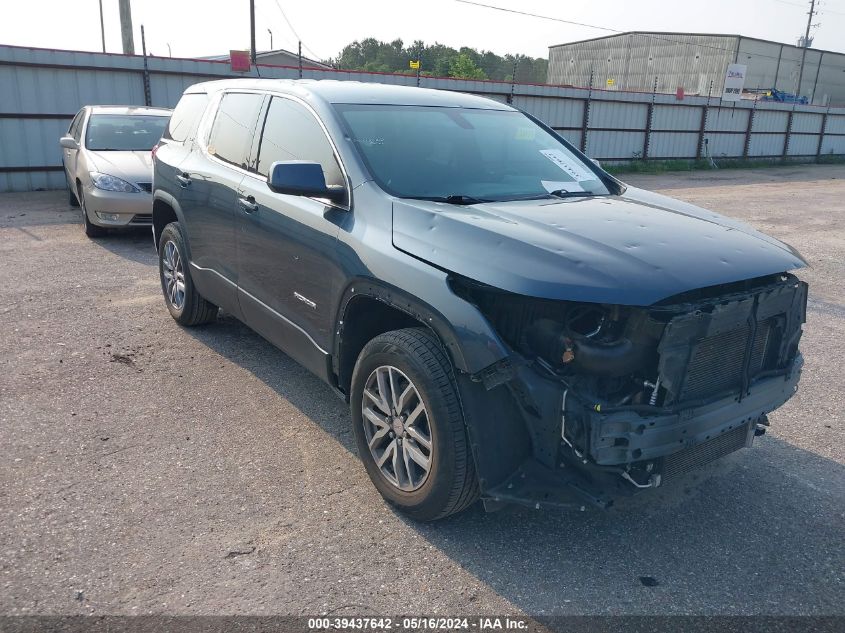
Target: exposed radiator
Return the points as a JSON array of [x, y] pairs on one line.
[[716, 363], [692, 458]]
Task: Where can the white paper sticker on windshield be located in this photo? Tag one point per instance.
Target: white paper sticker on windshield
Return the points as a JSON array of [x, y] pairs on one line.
[[561, 185], [579, 173]]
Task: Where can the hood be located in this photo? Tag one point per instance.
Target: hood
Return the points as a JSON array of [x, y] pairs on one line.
[[134, 166], [633, 249]]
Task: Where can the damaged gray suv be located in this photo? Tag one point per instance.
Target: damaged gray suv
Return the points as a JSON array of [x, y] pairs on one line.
[[506, 320]]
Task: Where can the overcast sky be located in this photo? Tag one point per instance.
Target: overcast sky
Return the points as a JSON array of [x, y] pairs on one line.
[[195, 28]]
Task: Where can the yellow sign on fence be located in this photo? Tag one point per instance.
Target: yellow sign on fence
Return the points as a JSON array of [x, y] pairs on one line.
[[415, 64], [611, 81]]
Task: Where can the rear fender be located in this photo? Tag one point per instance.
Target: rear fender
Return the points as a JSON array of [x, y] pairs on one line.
[[160, 195]]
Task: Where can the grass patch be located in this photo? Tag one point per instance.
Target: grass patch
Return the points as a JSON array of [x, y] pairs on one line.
[[662, 166], [656, 166]]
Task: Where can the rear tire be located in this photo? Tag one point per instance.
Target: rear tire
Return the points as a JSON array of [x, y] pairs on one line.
[[415, 358], [91, 230], [185, 304]]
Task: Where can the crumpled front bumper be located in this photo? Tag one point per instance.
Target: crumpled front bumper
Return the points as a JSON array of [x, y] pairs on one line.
[[672, 443], [627, 436]]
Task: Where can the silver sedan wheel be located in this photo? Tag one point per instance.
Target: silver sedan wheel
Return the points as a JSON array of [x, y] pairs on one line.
[[397, 428], [174, 276]]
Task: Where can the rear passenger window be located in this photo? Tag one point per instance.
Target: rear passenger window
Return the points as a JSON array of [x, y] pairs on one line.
[[231, 135], [186, 117], [292, 133]]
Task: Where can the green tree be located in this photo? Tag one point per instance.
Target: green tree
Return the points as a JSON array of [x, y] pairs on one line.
[[438, 60], [464, 67]]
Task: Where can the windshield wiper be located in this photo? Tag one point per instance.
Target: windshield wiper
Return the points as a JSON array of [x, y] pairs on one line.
[[563, 193], [558, 193], [454, 199]]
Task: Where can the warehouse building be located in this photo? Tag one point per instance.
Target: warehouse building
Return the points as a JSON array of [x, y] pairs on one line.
[[278, 57], [696, 63]]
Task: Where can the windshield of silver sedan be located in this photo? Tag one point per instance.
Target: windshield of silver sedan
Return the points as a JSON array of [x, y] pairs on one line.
[[124, 132], [464, 154]]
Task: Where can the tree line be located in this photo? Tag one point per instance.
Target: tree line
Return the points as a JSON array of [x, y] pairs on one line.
[[438, 60]]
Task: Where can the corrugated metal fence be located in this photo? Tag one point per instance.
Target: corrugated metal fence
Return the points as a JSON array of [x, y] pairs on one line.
[[42, 90]]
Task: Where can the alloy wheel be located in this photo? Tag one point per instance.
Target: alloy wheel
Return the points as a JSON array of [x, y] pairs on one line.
[[174, 276], [397, 428]]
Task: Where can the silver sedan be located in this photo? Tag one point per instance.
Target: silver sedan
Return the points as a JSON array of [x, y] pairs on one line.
[[108, 164]]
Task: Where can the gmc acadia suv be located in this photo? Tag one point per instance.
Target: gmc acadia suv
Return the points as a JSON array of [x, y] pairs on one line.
[[506, 320]]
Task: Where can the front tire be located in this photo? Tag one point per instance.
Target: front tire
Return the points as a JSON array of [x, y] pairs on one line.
[[71, 196], [409, 426], [187, 306]]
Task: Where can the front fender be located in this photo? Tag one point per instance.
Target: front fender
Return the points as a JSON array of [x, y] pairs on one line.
[[470, 341]]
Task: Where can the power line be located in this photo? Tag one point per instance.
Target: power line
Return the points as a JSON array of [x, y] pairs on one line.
[[293, 30], [821, 9], [792, 4], [264, 14], [537, 15], [804, 6], [608, 29]]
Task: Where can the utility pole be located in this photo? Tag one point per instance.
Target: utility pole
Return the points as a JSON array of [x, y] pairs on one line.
[[147, 97], [271, 39], [252, 31], [102, 27], [300, 59], [806, 45], [126, 27]]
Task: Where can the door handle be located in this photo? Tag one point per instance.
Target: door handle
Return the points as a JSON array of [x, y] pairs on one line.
[[184, 179], [248, 204]]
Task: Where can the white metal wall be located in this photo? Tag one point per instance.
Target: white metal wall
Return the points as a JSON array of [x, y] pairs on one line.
[[43, 89]]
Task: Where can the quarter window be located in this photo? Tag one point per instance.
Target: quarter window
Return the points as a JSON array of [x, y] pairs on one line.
[[186, 117], [292, 133], [231, 135]]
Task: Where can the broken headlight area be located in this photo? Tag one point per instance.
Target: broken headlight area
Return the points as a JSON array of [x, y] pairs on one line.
[[643, 394]]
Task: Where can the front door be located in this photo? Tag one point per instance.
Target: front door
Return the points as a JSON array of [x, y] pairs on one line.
[[70, 156], [287, 245]]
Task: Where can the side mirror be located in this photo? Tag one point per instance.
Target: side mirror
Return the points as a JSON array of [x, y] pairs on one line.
[[302, 178], [68, 142], [596, 162]]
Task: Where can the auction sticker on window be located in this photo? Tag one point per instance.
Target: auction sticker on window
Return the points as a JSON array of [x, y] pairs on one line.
[[578, 173], [561, 185]]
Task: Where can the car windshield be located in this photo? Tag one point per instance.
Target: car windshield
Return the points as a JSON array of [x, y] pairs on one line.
[[464, 155], [124, 132]]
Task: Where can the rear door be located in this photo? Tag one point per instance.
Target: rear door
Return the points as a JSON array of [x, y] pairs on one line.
[[179, 140], [287, 245], [209, 177]]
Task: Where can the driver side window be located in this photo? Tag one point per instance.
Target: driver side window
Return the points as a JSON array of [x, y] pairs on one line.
[[75, 129], [292, 133]]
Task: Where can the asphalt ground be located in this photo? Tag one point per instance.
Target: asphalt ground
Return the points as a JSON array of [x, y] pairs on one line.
[[147, 468]]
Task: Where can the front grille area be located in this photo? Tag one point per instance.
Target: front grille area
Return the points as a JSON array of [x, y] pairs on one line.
[[692, 458], [717, 362], [146, 186], [142, 218]]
